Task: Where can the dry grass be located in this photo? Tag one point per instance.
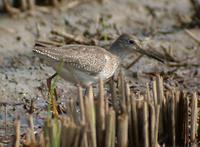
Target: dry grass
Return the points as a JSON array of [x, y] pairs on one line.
[[157, 118]]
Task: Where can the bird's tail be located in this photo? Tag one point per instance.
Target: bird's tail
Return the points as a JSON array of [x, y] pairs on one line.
[[40, 47], [48, 50], [44, 46], [47, 44], [40, 44]]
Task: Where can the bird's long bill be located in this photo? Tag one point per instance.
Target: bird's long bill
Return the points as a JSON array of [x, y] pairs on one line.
[[151, 53]]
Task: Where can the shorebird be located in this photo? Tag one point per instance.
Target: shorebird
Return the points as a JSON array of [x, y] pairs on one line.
[[84, 65]]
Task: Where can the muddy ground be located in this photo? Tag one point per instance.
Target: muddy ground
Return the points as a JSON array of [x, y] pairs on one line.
[[157, 23]]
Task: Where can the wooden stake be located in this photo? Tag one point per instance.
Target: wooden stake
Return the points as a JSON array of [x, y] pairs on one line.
[[194, 120], [81, 103], [155, 98], [110, 129], [17, 132], [153, 125], [173, 121], [146, 125], [122, 130], [90, 118], [134, 122], [101, 111]]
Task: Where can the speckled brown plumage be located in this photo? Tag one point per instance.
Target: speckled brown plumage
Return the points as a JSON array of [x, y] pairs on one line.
[[91, 59]]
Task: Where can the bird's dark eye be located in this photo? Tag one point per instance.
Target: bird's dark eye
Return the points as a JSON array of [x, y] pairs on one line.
[[131, 41]]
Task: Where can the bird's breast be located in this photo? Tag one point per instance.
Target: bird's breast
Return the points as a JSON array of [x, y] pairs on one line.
[[112, 63], [74, 75]]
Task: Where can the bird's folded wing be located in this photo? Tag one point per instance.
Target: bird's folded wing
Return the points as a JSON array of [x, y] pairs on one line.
[[89, 59]]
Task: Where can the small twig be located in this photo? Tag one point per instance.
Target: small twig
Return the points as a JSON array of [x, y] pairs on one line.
[[168, 55], [72, 38], [7, 30], [48, 43], [134, 62], [69, 5], [6, 113], [183, 65], [194, 37], [17, 132], [10, 104]]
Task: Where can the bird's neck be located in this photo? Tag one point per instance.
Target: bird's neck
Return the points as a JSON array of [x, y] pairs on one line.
[[118, 50]]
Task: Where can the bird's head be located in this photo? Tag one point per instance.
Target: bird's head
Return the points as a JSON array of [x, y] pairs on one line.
[[125, 44]]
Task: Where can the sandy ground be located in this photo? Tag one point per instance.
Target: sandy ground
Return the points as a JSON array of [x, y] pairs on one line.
[[23, 76]]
